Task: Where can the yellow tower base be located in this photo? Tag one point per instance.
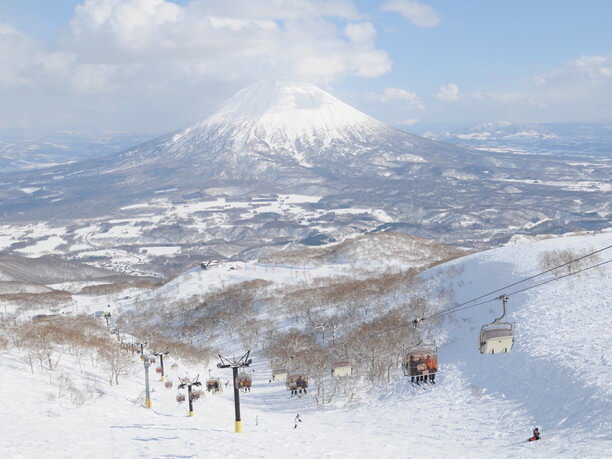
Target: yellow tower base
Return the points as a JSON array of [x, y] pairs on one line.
[[238, 425], [148, 403], [191, 413], [163, 379]]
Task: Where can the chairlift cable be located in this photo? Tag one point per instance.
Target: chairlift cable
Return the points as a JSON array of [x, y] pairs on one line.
[[454, 309], [465, 305], [528, 278]]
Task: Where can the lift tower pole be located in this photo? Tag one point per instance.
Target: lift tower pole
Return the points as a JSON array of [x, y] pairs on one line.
[[161, 363], [234, 364], [187, 383], [142, 344], [147, 392]]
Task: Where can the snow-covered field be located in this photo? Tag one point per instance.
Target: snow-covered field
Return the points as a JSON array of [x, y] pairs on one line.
[[131, 243], [557, 378]]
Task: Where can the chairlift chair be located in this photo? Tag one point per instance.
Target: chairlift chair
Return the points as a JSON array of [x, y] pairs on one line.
[[421, 362], [279, 374], [497, 337], [297, 382], [214, 385], [244, 380], [341, 369]]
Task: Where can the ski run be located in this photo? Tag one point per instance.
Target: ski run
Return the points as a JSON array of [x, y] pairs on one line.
[[557, 378]]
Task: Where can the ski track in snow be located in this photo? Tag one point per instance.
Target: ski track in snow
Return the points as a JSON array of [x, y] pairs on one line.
[[557, 378]]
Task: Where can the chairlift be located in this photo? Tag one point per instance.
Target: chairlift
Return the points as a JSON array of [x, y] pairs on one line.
[[297, 383], [214, 385], [421, 364], [244, 381], [279, 374], [498, 336], [341, 369], [421, 361]]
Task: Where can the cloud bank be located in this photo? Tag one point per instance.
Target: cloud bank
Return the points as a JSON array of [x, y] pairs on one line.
[[141, 49]]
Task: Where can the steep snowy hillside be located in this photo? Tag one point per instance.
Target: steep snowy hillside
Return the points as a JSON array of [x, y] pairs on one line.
[[555, 378]]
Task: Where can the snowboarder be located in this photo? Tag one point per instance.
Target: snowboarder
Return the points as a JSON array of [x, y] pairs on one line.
[[296, 420], [536, 435]]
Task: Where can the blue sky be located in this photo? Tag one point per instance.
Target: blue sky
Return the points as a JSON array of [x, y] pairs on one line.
[[156, 65]]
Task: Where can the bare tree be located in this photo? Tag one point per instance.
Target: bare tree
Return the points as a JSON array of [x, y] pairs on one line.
[[115, 360]]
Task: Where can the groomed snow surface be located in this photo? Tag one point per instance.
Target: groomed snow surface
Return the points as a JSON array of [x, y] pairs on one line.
[[556, 378]]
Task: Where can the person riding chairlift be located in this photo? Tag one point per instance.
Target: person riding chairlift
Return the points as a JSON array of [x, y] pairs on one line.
[[432, 366], [421, 367], [412, 365]]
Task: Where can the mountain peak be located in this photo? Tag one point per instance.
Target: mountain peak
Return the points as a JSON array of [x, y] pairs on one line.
[[280, 113], [292, 103]]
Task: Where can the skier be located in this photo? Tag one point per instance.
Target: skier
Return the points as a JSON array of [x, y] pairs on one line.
[[296, 420], [536, 435]]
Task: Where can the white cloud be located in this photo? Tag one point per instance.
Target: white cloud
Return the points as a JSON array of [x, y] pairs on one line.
[[415, 12], [401, 96], [508, 98], [582, 68], [410, 122], [130, 24], [360, 31], [269, 38], [130, 53], [448, 92], [579, 89], [280, 9], [593, 67]]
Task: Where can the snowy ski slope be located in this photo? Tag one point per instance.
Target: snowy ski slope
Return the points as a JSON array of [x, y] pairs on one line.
[[556, 378]]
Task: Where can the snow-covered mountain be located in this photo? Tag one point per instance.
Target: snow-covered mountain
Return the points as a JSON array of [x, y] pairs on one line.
[[591, 140], [278, 130], [288, 119], [285, 162], [27, 153]]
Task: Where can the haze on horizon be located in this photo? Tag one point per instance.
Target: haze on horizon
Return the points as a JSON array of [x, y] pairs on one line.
[[152, 66]]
